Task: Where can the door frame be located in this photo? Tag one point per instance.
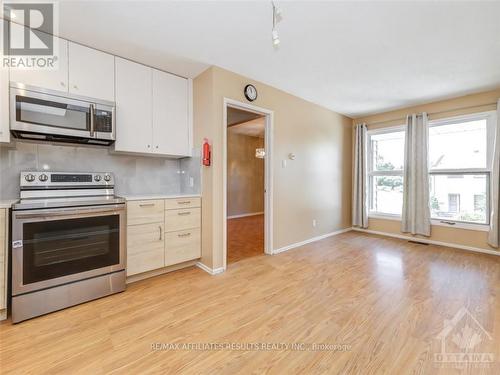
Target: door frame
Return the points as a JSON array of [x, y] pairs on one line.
[[268, 172]]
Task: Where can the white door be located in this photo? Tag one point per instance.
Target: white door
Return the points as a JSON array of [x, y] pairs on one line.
[[4, 98], [133, 107], [91, 72], [53, 79], [171, 130]]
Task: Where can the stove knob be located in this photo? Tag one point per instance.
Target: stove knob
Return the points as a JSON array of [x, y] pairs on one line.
[[107, 177], [29, 177], [97, 177], [43, 177]]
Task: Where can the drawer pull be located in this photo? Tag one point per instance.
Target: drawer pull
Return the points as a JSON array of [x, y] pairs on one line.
[[146, 205], [184, 213], [159, 227], [183, 202], [184, 234]]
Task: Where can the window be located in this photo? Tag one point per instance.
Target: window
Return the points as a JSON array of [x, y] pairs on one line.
[[460, 155], [385, 170]]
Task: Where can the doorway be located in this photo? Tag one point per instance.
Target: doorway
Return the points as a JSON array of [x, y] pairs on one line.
[[247, 182]]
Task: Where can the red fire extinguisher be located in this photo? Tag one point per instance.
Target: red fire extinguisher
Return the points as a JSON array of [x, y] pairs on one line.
[[206, 153]]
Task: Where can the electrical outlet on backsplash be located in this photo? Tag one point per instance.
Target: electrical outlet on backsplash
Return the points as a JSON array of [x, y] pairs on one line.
[[134, 175]]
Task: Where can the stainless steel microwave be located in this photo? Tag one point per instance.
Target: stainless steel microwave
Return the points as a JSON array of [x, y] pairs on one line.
[[41, 114]]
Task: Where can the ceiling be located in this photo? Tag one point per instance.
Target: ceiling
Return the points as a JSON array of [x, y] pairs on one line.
[[356, 58], [252, 128]]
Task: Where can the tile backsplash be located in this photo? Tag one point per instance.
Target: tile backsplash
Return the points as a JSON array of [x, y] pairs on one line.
[[133, 174]]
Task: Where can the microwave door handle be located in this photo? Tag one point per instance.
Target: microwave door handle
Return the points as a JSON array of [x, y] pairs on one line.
[[92, 116]]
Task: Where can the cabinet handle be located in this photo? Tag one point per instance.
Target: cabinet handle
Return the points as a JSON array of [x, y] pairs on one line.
[[183, 213], [159, 227], [184, 234], [183, 202], [146, 205]]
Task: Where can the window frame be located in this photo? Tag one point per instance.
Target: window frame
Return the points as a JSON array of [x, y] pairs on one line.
[[371, 173], [490, 117]]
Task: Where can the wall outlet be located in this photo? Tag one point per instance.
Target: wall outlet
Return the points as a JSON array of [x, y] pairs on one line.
[[314, 222], [191, 181], [283, 163]]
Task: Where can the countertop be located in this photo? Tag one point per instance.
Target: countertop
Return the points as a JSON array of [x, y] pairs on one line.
[[157, 196], [6, 203]]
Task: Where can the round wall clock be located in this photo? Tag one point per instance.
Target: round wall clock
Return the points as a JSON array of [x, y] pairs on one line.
[[250, 92]]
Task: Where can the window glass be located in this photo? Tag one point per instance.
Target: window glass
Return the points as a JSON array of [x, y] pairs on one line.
[[387, 194], [463, 200], [387, 151], [459, 145]]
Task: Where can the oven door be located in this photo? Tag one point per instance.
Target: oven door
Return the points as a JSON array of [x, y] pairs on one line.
[[56, 246]]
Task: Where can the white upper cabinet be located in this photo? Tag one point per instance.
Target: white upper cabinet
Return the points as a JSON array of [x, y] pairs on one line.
[[91, 72], [133, 107], [55, 79], [153, 111], [171, 128]]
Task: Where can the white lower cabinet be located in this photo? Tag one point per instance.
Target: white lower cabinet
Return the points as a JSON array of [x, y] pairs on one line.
[[160, 234]]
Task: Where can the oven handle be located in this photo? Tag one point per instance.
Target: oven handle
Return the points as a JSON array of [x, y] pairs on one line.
[[92, 115], [69, 213]]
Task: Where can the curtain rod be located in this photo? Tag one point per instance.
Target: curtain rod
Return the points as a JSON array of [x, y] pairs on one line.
[[432, 113]]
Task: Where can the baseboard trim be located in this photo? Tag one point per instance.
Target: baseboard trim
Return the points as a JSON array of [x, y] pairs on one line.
[[245, 215], [211, 271], [314, 239], [431, 242]]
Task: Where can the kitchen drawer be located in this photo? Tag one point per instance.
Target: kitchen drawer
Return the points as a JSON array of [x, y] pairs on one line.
[[145, 212], [182, 219], [175, 204], [182, 246], [145, 248]]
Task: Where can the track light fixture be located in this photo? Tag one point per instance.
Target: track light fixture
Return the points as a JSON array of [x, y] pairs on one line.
[[277, 17]]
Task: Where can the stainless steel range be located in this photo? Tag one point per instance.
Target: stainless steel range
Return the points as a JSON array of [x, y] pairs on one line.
[[68, 241]]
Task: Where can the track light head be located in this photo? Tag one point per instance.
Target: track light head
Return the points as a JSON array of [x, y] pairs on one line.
[[276, 38]]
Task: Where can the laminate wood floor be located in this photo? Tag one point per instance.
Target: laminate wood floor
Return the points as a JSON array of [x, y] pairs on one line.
[[245, 238], [386, 299]]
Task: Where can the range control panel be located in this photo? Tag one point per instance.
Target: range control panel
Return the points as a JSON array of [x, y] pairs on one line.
[[55, 179]]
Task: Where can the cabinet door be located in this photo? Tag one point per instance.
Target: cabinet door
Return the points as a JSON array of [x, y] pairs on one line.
[[145, 248], [4, 98], [91, 72], [171, 131], [133, 107], [56, 79]]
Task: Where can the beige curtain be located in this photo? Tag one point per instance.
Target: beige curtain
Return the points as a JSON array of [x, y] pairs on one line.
[[494, 233], [360, 206], [416, 211]]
